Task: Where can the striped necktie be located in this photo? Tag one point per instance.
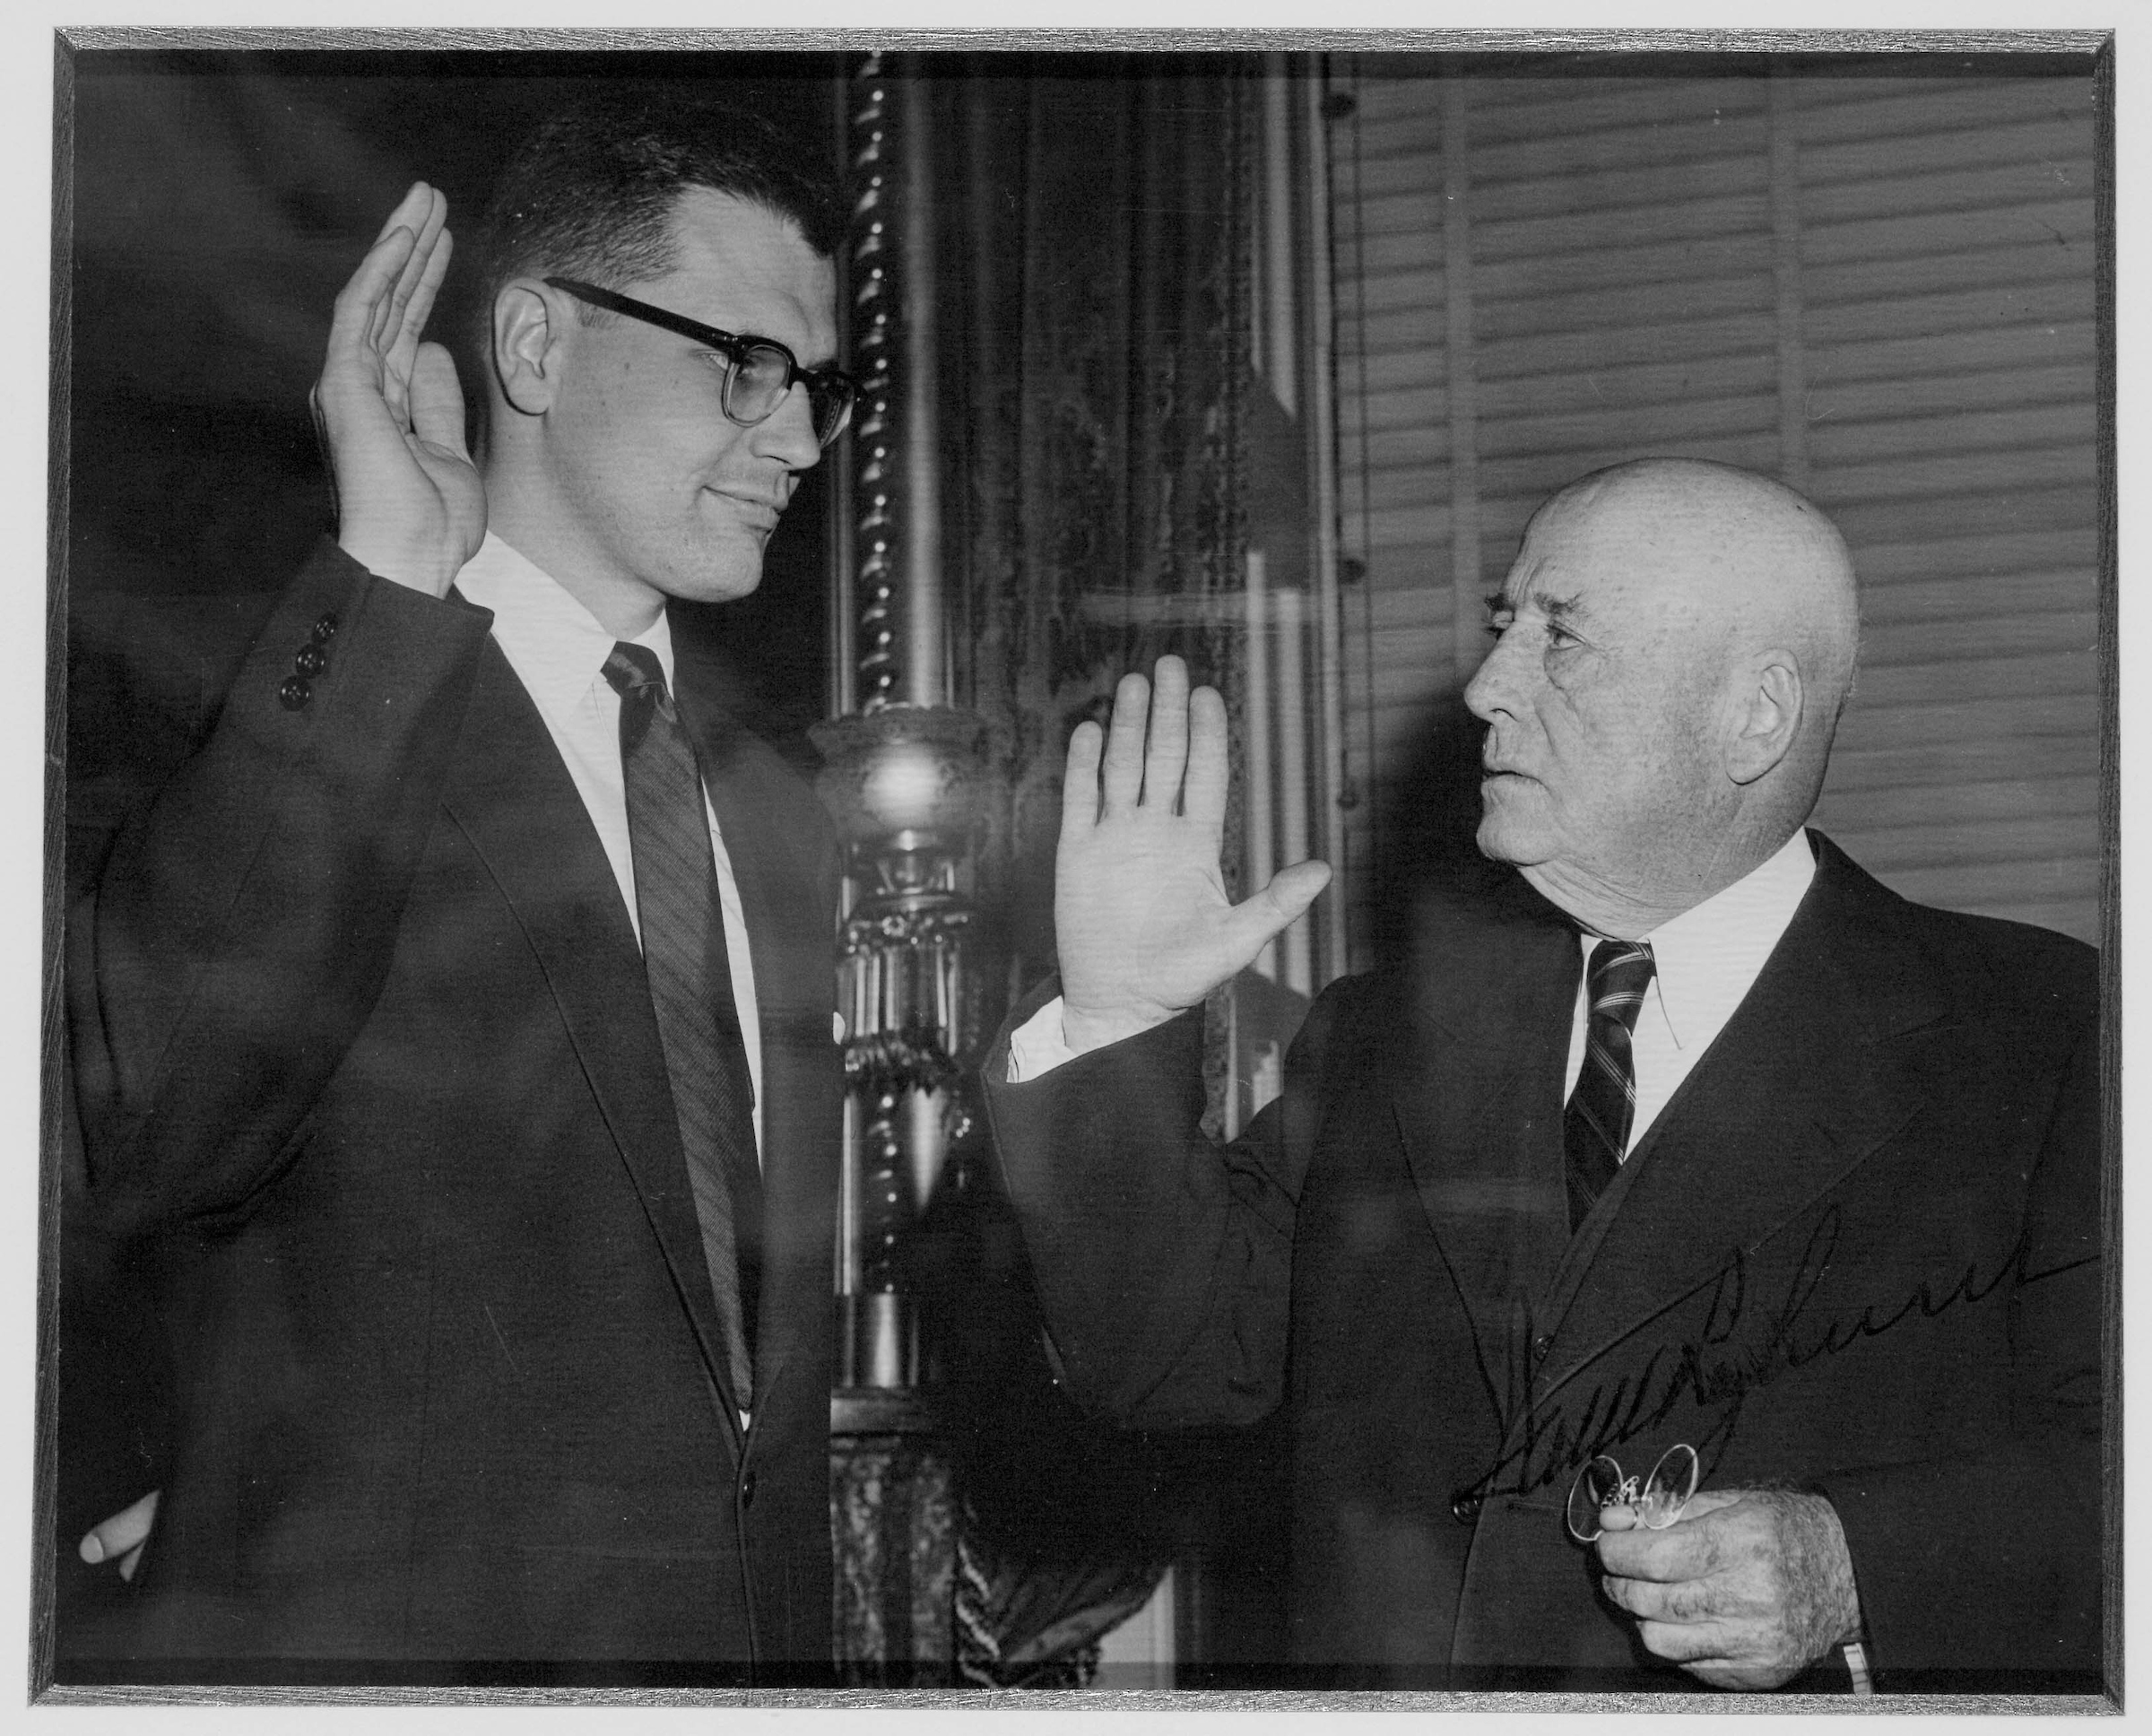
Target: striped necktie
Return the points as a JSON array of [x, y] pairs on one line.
[[690, 978], [1595, 1129]]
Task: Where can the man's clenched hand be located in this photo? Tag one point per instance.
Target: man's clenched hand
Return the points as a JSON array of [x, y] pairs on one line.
[[410, 506], [1745, 1590], [1144, 926]]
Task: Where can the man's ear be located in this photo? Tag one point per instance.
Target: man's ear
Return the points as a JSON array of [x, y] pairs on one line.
[[1769, 720], [531, 336]]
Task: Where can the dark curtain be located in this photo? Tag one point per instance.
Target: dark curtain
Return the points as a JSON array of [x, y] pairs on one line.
[[1096, 323], [1093, 246]]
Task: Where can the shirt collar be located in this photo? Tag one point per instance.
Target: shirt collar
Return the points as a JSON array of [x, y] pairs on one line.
[[1707, 958], [554, 644]]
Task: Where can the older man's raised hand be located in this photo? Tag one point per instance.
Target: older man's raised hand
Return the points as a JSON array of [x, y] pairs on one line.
[[1747, 1590], [410, 506], [1143, 924]]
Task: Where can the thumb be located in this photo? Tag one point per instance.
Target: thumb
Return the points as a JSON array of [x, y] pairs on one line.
[[1279, 905], [437, 401], [123, 1532], [1295, 888]]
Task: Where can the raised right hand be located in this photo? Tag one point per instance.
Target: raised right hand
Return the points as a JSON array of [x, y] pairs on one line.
[[410, 506], [1141, 920]]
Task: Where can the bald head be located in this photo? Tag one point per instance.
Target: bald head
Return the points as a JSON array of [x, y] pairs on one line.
[[1753, 555], [1677, 642]]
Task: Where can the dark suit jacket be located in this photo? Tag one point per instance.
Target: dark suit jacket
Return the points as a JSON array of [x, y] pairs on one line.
[[356, 1008], [1859, 1253]]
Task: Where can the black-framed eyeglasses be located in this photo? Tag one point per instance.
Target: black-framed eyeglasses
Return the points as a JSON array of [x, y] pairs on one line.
[[758, 371]]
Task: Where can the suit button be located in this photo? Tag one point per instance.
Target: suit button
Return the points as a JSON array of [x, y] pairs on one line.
[[295, 692], [324, 630], [1465, 1509], [1540, 1345], [747, 1489], [311, 660]]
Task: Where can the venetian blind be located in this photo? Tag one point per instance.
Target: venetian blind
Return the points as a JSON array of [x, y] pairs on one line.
[[1880, 289]]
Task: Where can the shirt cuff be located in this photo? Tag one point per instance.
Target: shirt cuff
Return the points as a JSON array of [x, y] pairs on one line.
[[1037, 1046]]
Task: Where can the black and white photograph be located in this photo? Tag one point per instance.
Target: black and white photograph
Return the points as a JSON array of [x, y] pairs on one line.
[[1265, 869]]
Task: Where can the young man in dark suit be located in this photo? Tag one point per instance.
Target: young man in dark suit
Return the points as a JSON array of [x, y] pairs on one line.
[[467, 1000], [1692, 1136]]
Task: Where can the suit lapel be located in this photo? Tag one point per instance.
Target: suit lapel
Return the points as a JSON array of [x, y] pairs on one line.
[[1801, 1087], [517, 805], [1479, 1107]]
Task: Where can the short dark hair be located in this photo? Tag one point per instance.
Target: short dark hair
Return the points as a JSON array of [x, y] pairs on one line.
[[591, 192]]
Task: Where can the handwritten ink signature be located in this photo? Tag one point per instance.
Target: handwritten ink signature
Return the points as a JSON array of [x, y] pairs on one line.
[[1550, 1444]]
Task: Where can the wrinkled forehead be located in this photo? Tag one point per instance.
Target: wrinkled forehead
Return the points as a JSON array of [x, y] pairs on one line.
[[1609, 551], [1570, 559]]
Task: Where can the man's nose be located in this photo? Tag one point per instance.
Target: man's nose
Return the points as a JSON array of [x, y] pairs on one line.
[[1493, 684], [787, 433]]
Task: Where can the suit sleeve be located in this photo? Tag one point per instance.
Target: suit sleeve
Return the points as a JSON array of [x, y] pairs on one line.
[[1993, 1562], [1163, 1259], [240, 930]]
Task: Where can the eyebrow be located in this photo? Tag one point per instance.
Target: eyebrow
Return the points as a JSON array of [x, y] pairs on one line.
[[1555, 608]]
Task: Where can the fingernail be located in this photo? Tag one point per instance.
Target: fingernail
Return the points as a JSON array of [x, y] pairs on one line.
[[92, 1551]]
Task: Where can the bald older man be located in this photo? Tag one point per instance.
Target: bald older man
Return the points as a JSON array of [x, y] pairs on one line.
[[1690, 1146]]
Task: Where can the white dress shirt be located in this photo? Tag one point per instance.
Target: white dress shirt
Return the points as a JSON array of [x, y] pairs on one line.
[[1707, 960], [558, 651]]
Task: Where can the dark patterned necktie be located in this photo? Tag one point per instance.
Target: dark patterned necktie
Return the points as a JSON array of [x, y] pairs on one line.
[[1595, 1129], [691, 991]]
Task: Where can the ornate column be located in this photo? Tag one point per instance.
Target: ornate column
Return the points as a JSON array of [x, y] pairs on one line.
[[903, 779], [903, 782]]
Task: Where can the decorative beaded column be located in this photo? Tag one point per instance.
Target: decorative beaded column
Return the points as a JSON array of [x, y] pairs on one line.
[[902, 778]]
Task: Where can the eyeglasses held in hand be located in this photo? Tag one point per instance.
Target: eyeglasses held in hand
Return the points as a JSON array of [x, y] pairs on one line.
[[758, 371], [1658, 1499]]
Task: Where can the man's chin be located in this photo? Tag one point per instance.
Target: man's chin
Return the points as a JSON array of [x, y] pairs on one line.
[[1505, 836], [723, 579], [1494, 846]]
